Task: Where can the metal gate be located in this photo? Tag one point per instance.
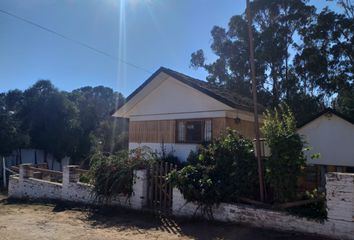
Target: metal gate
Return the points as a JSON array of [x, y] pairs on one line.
[[160, 190]]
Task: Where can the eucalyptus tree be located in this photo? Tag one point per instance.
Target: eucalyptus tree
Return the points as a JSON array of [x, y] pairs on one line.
[[276, 23]]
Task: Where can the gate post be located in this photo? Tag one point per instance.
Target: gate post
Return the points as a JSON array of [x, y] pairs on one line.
[[140, 189], [25, 171]]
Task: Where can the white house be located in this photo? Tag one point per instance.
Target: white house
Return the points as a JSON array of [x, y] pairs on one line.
[[330, 134], [181, 112]]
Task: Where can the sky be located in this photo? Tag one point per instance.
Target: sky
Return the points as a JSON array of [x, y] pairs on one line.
[[114, 43]]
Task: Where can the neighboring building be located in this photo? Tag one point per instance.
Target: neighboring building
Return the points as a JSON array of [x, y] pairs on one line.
[[330, 134], [180, 112]]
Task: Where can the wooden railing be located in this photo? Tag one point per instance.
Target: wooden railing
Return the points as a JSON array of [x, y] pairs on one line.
[[41, 171], [46, 174]]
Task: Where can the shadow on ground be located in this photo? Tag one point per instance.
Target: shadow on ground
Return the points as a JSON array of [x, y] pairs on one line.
[[126, 219], [195, 228]]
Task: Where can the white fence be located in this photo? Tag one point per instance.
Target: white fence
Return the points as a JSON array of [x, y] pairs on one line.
[[340, 203], [339, 187], [23, 186]]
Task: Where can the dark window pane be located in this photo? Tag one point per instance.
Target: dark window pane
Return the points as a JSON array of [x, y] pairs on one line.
[[181, 131], [194, 131]]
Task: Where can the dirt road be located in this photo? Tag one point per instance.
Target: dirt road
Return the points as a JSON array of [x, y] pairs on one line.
[[22, 221]]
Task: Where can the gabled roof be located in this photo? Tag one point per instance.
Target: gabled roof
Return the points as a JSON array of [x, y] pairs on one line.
[[223, 95], [326, 111]]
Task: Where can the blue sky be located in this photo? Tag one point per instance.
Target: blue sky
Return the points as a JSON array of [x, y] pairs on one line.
[[146, 33]]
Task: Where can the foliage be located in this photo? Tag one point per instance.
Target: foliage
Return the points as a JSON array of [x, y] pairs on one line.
[[112, 175], [316, 210], [72, 124], [50, 119], [304, 56], [98, 130], [325, 59], [112, 135], [11, 136], [345, 102], [275, 23], [169, 157], [223, 171], [287, 159]]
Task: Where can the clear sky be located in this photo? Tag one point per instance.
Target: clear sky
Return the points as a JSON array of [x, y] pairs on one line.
[[145, 33]]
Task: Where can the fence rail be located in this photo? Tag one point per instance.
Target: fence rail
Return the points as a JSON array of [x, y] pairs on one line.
[[41, 171]]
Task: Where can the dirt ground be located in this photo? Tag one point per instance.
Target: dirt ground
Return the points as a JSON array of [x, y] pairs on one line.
[[19, 221]]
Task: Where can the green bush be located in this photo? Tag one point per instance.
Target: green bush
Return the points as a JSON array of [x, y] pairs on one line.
[[287, 159], [169, 157], [221, 172], [316, 210], [113, 174]]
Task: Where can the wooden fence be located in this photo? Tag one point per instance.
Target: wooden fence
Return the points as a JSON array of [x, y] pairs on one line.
[[160, 189]]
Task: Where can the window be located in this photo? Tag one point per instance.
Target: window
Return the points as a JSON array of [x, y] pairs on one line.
[[194, 131]]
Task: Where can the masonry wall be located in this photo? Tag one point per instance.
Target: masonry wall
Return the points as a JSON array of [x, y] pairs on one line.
[[23, 186], [339, 196], [340, 202]]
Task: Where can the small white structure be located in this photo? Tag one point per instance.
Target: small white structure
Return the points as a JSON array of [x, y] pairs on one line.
[[332, 136], [180, 112]]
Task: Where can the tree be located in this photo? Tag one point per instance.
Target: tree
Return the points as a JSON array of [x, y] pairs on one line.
[[275, 24], [51, 119], [98, 129], [345, 103], [112, 135], [325, 61], [11, 136], [287, 159]]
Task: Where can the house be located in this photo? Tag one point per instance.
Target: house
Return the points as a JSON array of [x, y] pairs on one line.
[[330, 134], [177, 112]]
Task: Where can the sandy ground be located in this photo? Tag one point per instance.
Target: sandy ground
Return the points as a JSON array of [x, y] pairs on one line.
[[19, 221]]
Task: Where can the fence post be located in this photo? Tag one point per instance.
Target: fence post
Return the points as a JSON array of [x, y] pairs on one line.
[[70, 177], [25, 171], [140, 189], [70, 174]]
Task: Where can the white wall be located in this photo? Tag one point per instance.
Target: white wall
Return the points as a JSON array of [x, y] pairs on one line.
[[179, 150], [172, 96], [22, 186], [333, 138], [340, 204]]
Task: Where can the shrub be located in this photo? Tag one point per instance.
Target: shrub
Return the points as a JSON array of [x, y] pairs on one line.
[[287, 158], [113, 174], [221, 172], [169, 157], [316, 210]]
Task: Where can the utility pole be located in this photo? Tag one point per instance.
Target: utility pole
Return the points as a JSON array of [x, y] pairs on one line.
[[255, 106]]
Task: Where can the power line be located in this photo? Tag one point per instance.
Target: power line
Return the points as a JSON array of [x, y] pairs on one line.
[[73, 40]]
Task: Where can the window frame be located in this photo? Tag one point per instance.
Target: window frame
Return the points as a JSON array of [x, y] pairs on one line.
[[203, 121]]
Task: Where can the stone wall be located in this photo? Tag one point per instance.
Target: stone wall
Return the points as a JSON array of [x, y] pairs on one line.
[[24, 186], [340, 202]]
